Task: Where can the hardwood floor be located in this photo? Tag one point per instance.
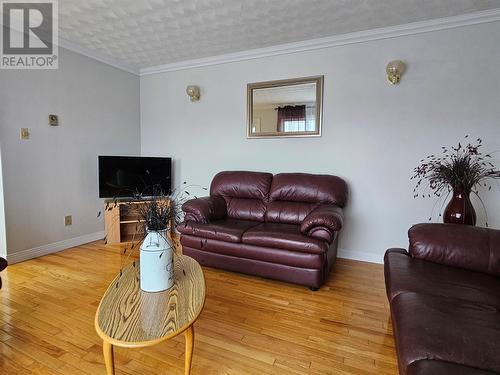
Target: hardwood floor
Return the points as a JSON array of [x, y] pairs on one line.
[[249, 325]]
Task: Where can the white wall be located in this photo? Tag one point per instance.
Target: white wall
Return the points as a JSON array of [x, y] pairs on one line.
[[373, 133], [54, 173]]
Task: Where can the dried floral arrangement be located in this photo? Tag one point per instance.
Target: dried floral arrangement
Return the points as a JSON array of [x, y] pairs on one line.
[[155, 209], [464, 167]]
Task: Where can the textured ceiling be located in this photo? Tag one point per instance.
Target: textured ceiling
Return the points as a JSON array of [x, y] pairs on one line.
[[144, 33]]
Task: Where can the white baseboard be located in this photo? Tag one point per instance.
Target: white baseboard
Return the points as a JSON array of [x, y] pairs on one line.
[[53, 247], [363, 256]]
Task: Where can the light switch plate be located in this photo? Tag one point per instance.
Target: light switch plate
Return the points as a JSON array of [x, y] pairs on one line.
[[68, 220], [25, 133], [53, 120]]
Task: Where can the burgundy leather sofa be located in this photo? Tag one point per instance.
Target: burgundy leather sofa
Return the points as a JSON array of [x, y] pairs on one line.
[[445, 300], [283, 227]]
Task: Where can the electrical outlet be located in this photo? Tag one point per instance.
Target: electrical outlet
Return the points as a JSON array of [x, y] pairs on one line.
[[25, 133], [68, 220]]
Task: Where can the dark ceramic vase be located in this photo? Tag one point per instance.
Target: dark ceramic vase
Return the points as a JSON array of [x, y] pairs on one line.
[[460, 209]]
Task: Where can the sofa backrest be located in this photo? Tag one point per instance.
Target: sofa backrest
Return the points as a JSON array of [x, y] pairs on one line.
[[456, 245], [294, 195], [245, 193], [283, 198]]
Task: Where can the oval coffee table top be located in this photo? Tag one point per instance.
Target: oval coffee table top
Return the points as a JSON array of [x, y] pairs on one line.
[[129, 317]]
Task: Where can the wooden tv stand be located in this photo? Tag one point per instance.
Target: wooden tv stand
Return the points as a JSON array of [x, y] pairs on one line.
[[121, 223]]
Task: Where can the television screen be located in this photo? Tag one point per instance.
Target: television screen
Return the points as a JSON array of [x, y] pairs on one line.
[[123, 176]]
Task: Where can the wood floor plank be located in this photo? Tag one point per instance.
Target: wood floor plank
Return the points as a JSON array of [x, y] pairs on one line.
[[249, 325]]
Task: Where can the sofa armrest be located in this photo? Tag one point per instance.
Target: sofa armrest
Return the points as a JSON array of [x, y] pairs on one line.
[[395, 259], [3, 265], [463, 246], [395, 250], [203, 210], [325, 219]]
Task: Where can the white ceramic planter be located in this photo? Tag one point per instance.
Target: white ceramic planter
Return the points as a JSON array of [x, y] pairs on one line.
[[156, 265]]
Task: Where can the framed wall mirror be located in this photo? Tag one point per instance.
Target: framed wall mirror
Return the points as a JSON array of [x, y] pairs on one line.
[[286, 108]]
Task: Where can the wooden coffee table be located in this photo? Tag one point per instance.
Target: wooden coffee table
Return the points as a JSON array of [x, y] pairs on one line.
[[130, 318]]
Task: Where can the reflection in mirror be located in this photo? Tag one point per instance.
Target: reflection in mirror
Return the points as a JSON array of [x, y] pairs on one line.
[[285, 108]]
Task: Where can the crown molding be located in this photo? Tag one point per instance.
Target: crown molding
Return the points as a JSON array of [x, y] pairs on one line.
[[96, 56], [437, 24]]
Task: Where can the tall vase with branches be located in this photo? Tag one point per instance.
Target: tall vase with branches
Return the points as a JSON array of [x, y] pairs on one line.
[[458, 171]]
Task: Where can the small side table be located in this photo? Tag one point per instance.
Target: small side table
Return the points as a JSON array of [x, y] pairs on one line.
[[130, 318]]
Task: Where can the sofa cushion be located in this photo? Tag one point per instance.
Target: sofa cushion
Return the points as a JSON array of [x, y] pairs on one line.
[[288, 212], [311, 188], [405, 274], [433, 367], [229, 230], [283, 236], [245, 209], [446, 329], [245, 193]]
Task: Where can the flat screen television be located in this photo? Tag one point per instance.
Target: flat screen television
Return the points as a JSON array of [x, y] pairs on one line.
[[124, 176]]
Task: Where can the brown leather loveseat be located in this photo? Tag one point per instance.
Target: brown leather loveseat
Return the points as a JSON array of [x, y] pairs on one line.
[[445, 300], [283, 227]]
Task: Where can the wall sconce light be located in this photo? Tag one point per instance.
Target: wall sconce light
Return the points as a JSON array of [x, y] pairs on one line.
[[193, 92], [395, 70]]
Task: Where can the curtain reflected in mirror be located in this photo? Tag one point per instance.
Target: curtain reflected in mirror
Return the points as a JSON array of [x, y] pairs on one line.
[[288, 108]]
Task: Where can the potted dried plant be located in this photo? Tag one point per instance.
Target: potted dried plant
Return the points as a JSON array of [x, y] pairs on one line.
[[459, 172], [159, 213]]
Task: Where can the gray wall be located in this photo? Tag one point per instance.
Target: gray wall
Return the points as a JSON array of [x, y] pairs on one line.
[[54, 173], [3, 243], [373, 133]]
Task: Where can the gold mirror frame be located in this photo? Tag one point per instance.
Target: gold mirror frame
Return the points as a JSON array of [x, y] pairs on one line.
[[318, 80]]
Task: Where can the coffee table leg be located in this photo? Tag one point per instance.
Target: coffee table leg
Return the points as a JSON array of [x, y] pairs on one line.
[[189, 334], [107, 349]]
